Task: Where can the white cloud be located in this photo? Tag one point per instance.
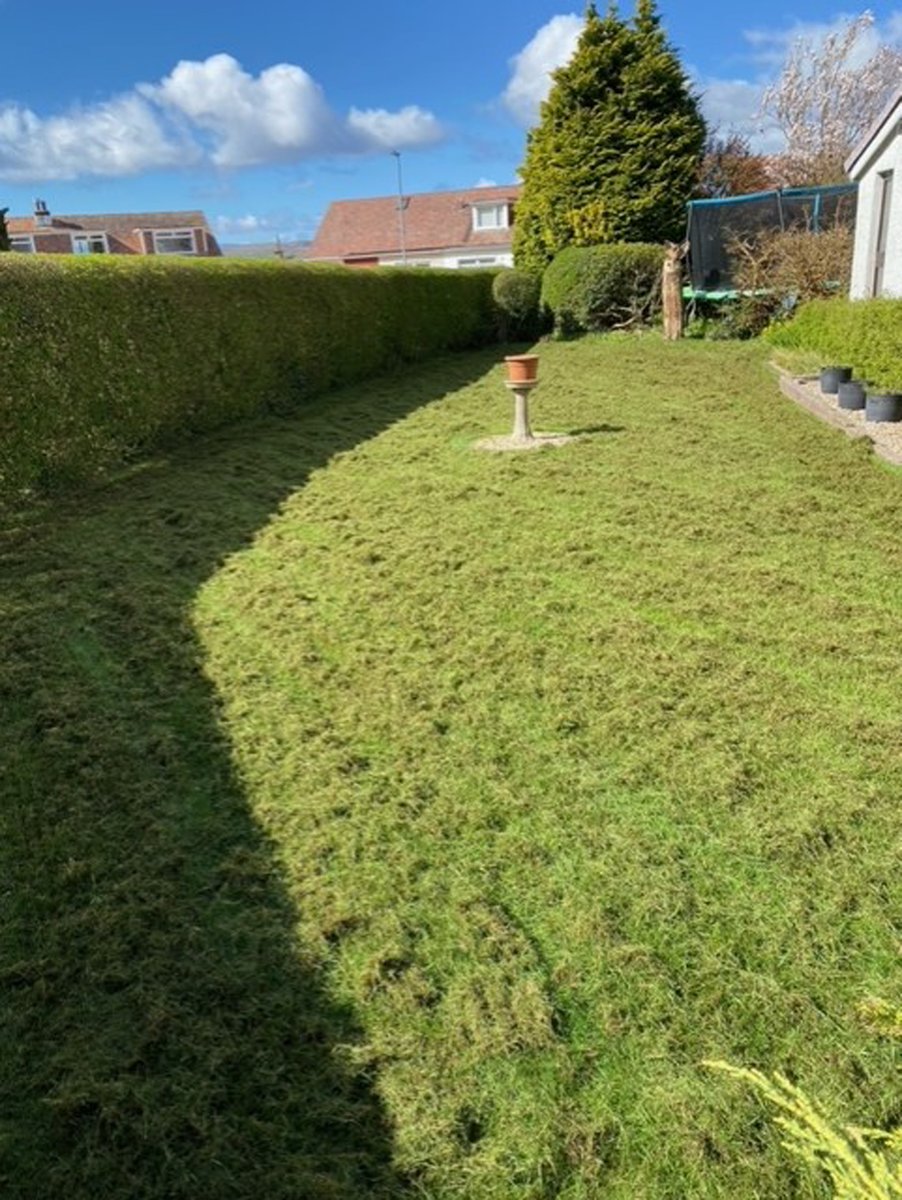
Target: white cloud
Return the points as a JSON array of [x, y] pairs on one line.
[[377, 129], [531, 69], [730, 102], [250, 223], [211, 111], [734, 105], [121, 137], [252, 227], [279, 116], [770, 46], [893, 28], [483, 182]]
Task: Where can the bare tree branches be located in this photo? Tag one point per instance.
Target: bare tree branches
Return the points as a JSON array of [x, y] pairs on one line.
[[796, 264]]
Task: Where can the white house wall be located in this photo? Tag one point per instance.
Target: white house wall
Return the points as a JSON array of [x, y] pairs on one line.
[[889, 158], [453, 259]]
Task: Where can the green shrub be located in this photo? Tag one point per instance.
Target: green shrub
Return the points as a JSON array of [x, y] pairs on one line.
[[865, 334], [591, 288], [744, 317], [516, 295], [104, 358], [734, 317]]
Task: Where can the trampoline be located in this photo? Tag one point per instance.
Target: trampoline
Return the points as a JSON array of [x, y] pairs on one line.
[[714, 224]]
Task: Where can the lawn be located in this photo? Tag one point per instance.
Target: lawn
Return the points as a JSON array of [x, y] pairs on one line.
[[386, 819]]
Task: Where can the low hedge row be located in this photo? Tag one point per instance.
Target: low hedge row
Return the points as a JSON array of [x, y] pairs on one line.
[[101, 358], [864, 333], [593, 288]]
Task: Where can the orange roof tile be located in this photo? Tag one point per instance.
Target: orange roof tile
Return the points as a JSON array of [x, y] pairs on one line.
[[121, 224], [432, 221]]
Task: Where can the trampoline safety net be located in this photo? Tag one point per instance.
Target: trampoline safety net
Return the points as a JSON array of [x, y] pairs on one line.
[[715, 224]]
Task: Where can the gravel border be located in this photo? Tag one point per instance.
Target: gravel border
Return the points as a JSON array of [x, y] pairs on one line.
[[884, 436]]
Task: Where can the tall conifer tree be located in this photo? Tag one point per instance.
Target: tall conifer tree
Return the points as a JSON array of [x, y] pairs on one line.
[[616, 152]]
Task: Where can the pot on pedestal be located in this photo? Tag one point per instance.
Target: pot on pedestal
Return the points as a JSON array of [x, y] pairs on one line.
[[522, 368]]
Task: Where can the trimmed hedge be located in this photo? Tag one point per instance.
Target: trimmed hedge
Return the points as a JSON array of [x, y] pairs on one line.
[[516, 295], [101, 358], [593, 288], [866, 334]]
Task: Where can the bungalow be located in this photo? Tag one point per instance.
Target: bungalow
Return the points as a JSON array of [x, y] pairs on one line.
[[469, 228], [179, 233], [877, 262]]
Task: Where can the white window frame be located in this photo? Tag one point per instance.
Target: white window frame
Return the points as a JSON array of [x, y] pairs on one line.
[[501, 211], [168, 235], [86, 237], [26, 243], [471, 264]]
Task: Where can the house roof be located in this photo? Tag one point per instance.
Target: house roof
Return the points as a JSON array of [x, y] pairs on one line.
[[854, 159], [115, 223], [432, 221], [123, 230]]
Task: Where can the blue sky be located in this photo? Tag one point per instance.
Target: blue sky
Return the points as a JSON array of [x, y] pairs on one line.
[[262, 114]]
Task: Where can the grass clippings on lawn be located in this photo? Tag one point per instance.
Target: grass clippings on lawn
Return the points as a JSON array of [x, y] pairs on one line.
[[387, 819]]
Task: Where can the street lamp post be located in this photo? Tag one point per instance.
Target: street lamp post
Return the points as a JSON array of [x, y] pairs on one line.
[[402, 232]]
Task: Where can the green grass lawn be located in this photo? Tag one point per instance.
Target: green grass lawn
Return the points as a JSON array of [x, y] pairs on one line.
[[387, 819]]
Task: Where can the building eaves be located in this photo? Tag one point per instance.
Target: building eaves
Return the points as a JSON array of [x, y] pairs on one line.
[[873, 133]]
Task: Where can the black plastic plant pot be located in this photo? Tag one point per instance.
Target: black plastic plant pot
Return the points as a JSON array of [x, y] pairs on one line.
[[851, 394], [885, 407], [832, 377]]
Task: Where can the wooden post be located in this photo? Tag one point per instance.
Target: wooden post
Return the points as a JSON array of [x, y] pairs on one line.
[[672, 290]]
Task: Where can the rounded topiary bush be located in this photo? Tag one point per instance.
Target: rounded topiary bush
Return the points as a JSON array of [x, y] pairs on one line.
[[517, 294], [593, 288]]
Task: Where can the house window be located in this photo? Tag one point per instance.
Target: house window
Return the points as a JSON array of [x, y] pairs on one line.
[[174, 241], [89, 243], [490, 216], [22, 243], [470, 263]]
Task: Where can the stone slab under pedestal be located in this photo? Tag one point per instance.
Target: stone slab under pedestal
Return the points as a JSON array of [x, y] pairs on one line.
[[508, 442]]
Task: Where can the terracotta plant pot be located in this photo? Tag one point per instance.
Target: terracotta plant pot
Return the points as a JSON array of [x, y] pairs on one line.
[[522, 368], [832, 377]]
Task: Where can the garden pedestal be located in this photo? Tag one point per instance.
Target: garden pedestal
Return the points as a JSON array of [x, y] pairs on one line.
[[522, 431], [522, 436]]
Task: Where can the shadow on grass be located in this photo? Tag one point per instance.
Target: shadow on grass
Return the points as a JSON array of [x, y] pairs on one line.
[[588, 430], [162, 1034]]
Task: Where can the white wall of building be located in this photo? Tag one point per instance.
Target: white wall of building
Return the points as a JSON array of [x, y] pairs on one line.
[[455, 259], [884, 154]]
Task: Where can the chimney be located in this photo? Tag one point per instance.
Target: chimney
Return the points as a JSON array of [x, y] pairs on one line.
[[42, 218]]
